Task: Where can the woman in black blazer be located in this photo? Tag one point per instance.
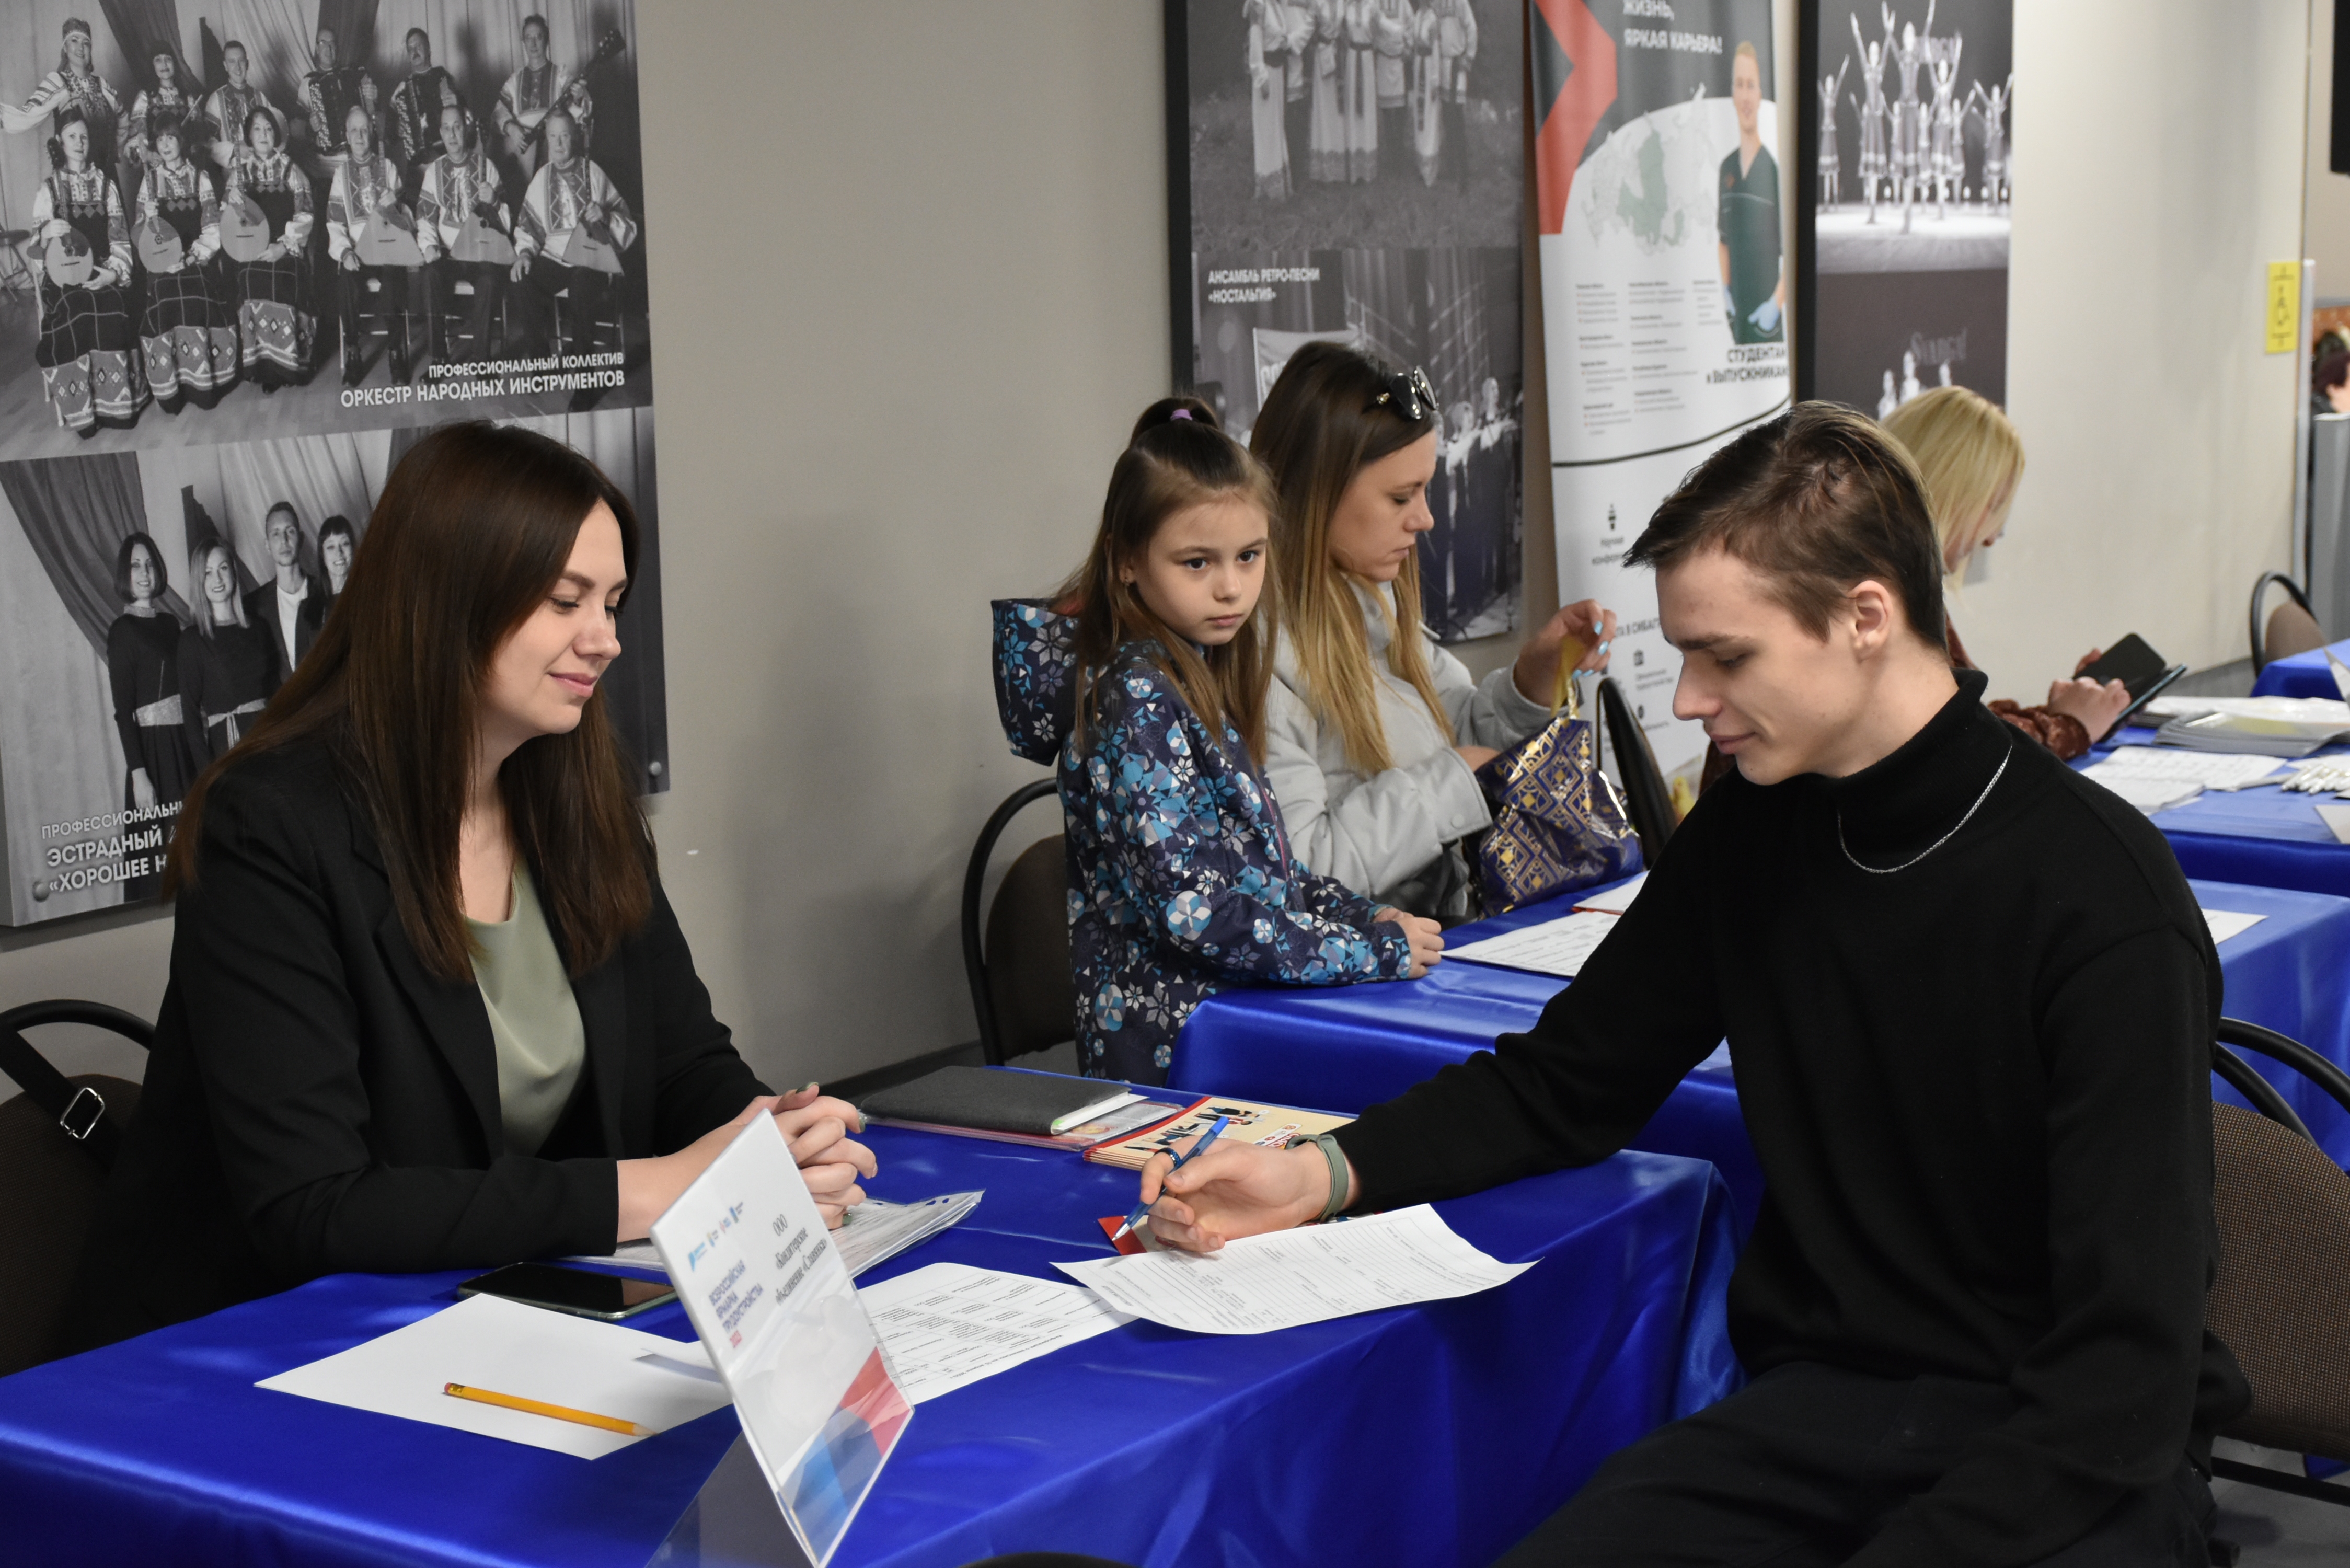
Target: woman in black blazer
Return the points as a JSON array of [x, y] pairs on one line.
[[341, 1063]]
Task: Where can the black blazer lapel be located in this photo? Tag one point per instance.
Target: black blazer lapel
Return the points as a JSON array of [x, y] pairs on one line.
[[603, 997], [451, 1010]]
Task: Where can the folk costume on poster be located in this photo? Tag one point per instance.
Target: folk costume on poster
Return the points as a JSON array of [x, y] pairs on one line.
[[276, 321], [89, 360], [1267, 108], [567, 199], [462, 186], [74, 85], [534, 92], [416, 106], [366, 192], [188, 330]]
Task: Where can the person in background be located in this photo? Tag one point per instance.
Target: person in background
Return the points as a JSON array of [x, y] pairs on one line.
[[1972, 461], [1374, 732], [1326, 137], [428, 1007], [1390, 23], [571, 194], [2329, 380], [143, 673], [330, 91], [289, 605], [233, 103], [229, 663], [274, 322], [1454, 56], [1297, 89], [366, 190], [537, 89], [91, 371], [417, 106], [462, 184], [1358, 90], [1181, 880], [1971, 1001], [338, 545], [74, 85], [169, 99], [1268, 32], [188, 330]]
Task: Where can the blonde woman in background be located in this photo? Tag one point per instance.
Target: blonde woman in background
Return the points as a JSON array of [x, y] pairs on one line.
[[1972, 461], [1373, 732]]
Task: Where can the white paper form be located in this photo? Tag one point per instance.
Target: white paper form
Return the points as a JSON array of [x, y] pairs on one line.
[[1260, 1283], [1616, 900], [1555, 947], [871, 1232], [2337, 820], [490, 1342], [2226, 923], [948, 1325], [2212, 770]]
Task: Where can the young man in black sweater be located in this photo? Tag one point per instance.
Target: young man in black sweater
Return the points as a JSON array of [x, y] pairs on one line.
[[1970, 1001]]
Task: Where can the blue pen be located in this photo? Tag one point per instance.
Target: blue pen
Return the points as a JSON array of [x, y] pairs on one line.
[[1196, 1149]]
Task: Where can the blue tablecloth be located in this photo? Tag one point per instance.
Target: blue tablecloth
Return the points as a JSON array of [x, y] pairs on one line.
[[1436, 1434], [1355, 1046], [2301, 675], [2264, 837]]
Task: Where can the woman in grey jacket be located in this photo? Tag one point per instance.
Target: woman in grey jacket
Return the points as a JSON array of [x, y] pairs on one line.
[[1373, 732]]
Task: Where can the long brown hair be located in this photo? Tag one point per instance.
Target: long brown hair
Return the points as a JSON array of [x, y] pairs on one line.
[[1178, 458], [472, 534], [1322, 424]]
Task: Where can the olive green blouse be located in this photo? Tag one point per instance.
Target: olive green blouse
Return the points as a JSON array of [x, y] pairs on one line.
[[533, 1017]]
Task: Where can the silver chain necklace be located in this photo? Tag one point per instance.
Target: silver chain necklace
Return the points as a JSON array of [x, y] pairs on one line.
[[1889, 870]]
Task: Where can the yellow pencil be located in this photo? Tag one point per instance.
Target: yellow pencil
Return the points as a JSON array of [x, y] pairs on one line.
[[539, 1407]]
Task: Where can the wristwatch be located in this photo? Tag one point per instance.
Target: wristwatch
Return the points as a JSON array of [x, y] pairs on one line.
[[1338, 1159]]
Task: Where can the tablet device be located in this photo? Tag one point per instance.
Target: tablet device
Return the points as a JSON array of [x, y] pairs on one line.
[[583, 1293]]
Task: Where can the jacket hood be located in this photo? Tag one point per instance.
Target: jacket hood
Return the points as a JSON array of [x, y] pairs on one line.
[[1035, 675]]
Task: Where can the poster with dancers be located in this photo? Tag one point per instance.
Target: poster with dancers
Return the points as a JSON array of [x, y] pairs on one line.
[[1907, 141], [1354, 169], [247, 257], [1660, 223]]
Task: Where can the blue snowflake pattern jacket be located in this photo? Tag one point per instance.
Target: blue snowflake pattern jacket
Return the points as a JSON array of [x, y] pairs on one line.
[[1180, 878]]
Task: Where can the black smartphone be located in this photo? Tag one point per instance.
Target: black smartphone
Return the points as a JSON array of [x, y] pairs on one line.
[[2131, 662], [583, 1293]]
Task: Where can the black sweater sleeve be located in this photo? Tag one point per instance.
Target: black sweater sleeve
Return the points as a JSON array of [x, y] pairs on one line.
[[2106, 1393], [1583, 1082], [703, 1081]]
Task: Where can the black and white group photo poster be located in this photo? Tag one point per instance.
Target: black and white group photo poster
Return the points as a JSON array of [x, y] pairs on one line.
[[1659, 221], [1902, 231], [251, 251], [1354, 170]]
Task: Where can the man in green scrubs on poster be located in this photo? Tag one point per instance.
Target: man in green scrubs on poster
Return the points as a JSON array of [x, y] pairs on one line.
[[1753, 287]]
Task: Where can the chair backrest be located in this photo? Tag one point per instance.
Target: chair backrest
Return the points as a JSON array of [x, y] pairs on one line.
[[81, 1111], [1029, 914], [2280, 1302], [2291, 626], [48, 1194], [1646, 798], [1029, 972]]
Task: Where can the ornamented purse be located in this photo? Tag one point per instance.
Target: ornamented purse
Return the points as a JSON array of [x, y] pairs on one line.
[[1559, 823]]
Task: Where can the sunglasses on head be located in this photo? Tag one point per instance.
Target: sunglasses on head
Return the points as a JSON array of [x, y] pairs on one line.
[[1409, 394]]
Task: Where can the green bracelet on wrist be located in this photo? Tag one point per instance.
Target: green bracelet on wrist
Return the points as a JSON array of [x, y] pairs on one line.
[[1329, 1144]]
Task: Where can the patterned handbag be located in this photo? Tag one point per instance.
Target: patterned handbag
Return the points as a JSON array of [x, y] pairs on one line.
[[1559, 823]]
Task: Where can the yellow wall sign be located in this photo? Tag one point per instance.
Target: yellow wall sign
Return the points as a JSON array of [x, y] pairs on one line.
[[2284, 306]]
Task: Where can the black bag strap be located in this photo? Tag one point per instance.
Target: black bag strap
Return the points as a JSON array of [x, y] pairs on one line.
[[79, 1110]]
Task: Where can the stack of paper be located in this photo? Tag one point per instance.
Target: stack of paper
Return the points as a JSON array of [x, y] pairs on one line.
[[1555, 947], [873, 1231], [2212, 770], [2150, 793], [2294, 710], [2244, 733]]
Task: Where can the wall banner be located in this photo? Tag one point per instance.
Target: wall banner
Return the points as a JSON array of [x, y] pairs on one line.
[[1659, 200], [1354, 170], [1902, 229], [255, 255]]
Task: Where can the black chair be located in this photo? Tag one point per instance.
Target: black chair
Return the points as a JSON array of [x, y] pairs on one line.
[[1647, 799], [57, 1139], [2281, 1299], [1021, 988], [2291, 627]]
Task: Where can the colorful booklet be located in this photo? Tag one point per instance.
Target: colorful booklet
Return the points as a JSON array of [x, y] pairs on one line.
[[1043, 1110], [1271, 1125]]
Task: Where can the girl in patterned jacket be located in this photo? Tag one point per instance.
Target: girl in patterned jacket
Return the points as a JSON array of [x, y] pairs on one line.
[[1180, 879]]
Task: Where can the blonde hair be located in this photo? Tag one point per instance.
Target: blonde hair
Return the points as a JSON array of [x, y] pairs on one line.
[[1321, 425], [1972, 461]]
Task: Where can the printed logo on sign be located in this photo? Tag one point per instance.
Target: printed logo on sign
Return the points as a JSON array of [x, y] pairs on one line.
[[702, 1247]]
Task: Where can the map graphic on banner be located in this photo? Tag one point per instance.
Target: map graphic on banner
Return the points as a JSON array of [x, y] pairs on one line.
[[259, 250], [1354, 170], [1910, 123], [1661, 207]]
